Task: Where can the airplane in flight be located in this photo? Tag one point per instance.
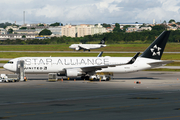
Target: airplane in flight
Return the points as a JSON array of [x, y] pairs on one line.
[[86, 67], [88, 46]]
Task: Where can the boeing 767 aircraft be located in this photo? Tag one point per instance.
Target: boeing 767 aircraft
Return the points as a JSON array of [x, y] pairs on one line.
[[89, 66], [88, 46]]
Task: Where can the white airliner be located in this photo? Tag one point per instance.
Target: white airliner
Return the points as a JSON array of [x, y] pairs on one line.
[[88, 66], [88, 46]]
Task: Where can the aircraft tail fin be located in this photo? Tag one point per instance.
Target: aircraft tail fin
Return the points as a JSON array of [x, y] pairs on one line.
[[103, 41], [155, 50]]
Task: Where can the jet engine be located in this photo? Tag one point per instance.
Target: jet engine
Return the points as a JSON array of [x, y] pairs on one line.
[[72, 73], [77, 48]]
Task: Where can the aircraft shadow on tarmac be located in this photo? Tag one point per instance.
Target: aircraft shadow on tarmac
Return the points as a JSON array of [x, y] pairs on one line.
[[37, 79], [136, 78]]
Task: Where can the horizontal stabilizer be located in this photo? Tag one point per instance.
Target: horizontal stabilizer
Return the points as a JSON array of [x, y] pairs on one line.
[[160, 63]]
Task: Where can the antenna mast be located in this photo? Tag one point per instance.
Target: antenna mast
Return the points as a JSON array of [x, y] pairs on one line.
[[24, 17]]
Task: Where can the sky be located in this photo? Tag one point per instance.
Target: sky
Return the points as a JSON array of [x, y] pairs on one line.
[[89, 11]]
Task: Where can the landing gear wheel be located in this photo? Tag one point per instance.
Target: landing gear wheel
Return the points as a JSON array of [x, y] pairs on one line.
[[85, 77]]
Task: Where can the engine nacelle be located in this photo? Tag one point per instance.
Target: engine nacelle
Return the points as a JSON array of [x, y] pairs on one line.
[[77, 48], [72, 72]]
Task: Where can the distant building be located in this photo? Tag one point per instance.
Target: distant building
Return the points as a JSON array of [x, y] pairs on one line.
[[25, 31], [17, 36], [34, 25], [3, 31], [68, 30], [130, 24], [170, 27], [99, 29], [56, 31], [40, 28], [109, 29], [131, 29], [86, 29], [42, 36], [145, 28], [30, 36], [83, 30], [12, 27]]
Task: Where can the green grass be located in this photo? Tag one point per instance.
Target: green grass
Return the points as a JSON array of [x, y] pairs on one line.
[[174, 64], [3, 61], [27, 54], [170, 56], [61, 47], [170, 47]]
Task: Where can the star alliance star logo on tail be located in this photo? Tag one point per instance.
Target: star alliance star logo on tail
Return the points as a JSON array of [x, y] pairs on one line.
[[102, 42], [155, 50]]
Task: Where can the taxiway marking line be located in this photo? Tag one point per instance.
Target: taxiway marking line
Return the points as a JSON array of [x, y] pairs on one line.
[[165, 103], [138, 105], [47, 113], [96, 109], [11, 116], [123, 106], [28, 114], [153, 104], [110, 108], [79, 110], [63, 112]]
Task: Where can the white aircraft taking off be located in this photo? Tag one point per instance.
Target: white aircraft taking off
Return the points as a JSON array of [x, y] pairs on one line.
[[89, 66], [88, 46]]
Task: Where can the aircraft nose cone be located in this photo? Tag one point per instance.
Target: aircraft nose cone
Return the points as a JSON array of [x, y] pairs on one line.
[[5, 66], [71, 46], [9, 67]]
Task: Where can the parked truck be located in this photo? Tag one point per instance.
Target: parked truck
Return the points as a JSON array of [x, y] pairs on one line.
[[105, 76], [8, 78]]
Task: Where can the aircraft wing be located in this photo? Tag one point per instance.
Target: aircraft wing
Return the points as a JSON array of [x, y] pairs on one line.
[[82, 47], [99, 67]]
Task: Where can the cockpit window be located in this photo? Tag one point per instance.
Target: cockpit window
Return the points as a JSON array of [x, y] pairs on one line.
[[11, 62]]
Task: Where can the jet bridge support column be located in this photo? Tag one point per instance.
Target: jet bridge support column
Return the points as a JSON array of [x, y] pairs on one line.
[[20, 68]]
